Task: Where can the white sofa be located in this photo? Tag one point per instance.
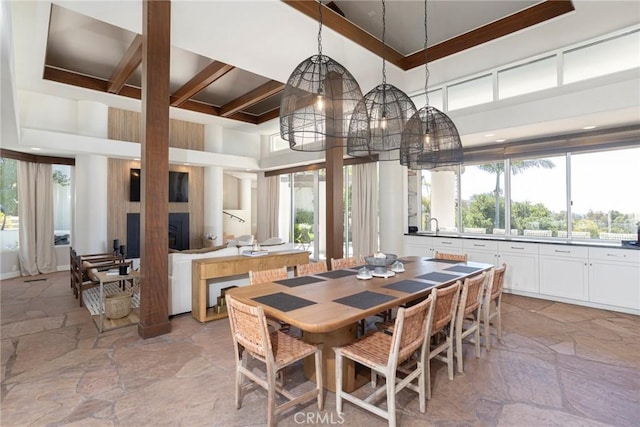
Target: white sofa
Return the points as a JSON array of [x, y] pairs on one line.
[[180, 275]]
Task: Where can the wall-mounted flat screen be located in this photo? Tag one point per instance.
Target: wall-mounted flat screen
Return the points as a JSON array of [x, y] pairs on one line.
[[178, 186]]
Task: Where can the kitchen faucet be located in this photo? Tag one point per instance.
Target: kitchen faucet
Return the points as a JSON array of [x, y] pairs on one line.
[[437, 227]]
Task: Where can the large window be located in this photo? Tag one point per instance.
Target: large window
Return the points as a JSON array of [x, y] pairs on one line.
[[9, 203], [529, 77], [482, 198], [539, 196], [471, 92], [62, 202], [605, 204]]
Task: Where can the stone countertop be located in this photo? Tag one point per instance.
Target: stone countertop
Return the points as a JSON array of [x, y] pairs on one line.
[[551, 241]]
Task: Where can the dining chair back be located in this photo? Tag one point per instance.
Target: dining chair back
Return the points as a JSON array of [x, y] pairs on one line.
[[469, 314], [265, 276], [276, 350], [340, 263], [493, 297], [445, 302], [451, 257], [311, 268], [383, 353]]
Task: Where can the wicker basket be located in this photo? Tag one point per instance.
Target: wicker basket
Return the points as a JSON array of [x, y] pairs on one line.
[[118, 305]]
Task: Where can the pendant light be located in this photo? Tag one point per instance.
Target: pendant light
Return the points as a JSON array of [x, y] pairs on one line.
[[430, 139], [378, 120], [317, 101]]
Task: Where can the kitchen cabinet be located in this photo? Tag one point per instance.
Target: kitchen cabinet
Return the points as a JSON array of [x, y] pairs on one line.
[[564, 271], [522, 266], [614, 277], [417, 246], [481, 250], [448, 245], [428, 245]]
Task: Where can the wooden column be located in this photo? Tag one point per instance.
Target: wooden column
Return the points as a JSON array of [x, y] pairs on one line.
[[335, 176], [154, 241]]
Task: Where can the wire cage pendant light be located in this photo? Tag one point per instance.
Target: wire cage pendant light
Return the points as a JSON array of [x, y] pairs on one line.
[[378, 120], [430, 139], [316, 102]]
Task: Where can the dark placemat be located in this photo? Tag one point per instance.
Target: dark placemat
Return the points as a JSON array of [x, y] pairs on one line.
[[463, 269], [336, 274], [283, 302], [438, 277], [364, 300], [446, 261], [409, 286], [299, 281]]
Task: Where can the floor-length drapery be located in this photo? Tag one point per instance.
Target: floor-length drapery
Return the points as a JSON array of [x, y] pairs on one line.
[[273, 205], [364, 189], [35, 210]]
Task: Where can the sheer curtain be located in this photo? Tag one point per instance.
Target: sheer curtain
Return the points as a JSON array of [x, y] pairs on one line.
[[35, 210], [364, 189], [273, 205]]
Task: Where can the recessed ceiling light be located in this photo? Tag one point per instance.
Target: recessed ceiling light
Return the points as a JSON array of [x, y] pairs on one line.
[[589, 127], [500, 140], [248, 170], [35, 148], [489, 135], [186, 164], [136, 159]]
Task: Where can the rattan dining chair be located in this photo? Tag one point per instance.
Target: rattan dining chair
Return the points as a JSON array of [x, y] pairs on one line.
[[340, 263], [265, 276], [383, 353], [276, 350], [451, 257], [311, 268], [469, 314], [445, 302], [493, 297]]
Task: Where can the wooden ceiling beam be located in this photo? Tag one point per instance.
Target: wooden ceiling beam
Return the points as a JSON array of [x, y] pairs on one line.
[[533, 15], [265, 117], [204, 78], [128, 64], [258, 94]]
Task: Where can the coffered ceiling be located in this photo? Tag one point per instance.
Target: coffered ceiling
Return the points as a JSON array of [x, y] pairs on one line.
[[86, 52]]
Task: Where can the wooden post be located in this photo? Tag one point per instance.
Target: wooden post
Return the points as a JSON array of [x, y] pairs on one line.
[[335, 178], [154, 242]]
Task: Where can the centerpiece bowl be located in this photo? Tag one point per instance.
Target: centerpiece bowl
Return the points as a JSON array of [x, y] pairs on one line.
[[381, 261]]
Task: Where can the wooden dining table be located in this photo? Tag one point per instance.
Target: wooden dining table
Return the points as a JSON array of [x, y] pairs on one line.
[[327, 307]]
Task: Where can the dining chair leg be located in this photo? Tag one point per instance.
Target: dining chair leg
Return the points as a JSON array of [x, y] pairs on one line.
[[338, 367], [271, 398], [498, 320], [239, 379], [391, 398], [459, 348], [487, 327], [319, 377], [477, 334], [450, 359], [427, 379]]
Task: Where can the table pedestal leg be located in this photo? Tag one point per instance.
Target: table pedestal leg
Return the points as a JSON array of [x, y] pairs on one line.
[[332, 339]]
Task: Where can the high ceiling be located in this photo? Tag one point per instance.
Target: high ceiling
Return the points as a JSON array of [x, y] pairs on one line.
[[87, 52]]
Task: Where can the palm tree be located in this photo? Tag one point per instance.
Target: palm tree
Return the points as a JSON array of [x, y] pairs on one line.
[[517, 166]]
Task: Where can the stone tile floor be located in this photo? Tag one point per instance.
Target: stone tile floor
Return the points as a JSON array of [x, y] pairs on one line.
[[558, 365]]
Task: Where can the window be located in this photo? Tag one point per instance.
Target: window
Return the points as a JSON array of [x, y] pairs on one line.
[[482, 198], [605, 205], [539, 196], [9, 203], [526, 78], [604, 57], [62, 197], [444, 199], [471, 92], [277, 143]]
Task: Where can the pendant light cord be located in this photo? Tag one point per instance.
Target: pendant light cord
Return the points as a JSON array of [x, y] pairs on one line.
[[426, 56], [319, 28], [384, 46]]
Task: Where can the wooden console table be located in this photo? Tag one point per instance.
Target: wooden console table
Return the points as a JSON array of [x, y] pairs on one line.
[[212, 268]]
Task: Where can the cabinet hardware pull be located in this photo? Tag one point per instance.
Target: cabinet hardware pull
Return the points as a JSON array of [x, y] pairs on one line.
[[480, 246], [516, 247], [562, 252], [446, 243], [614, 255]]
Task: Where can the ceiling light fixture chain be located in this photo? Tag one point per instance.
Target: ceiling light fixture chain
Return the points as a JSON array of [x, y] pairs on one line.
[[426, 55], [319, 27]]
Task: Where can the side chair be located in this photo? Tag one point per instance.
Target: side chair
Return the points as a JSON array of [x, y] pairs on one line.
[[469, 314], [451, 257], [493, 296], [311, 268], [276, 350]]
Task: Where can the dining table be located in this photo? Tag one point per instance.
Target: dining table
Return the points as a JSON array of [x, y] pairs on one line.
[[327, 307]]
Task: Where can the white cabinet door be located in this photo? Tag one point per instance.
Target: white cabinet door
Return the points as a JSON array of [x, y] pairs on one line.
[[417, 246], [522, 266], [563, 271], [481, 250], [447, 245], [614, 277]]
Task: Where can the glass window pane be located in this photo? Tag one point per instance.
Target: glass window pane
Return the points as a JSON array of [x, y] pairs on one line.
[[284, 208], [435, 99], [471, 92], [539, 196], [526, 78], [8, 203], [605, 57], [443, 201], [62, 215], [277, 143], [482, 198], [603, 205]]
